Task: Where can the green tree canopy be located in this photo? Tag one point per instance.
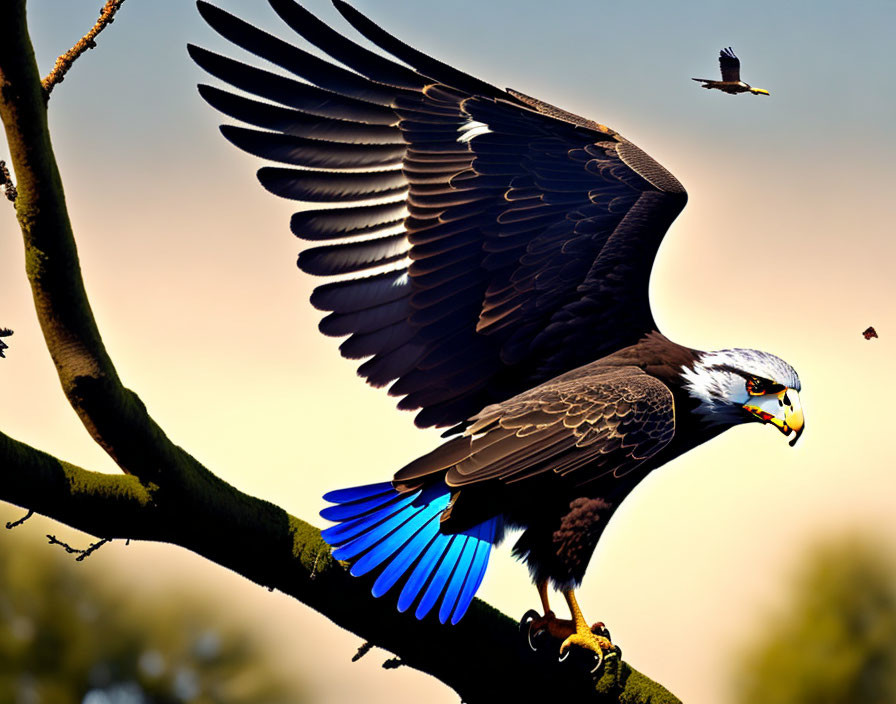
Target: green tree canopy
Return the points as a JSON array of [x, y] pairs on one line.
[[67, 638], [835, 641]]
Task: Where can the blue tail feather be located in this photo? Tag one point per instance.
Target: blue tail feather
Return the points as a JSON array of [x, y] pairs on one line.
[[353, 509], [410, 552], [475, 575], [421, 572], [378, 527], [367, 540], [439, 579], [350, 529], [458, 577], [390, 545], [356, 493]]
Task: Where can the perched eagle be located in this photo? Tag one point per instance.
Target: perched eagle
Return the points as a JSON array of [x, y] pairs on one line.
[[730, 82], [493, 254]]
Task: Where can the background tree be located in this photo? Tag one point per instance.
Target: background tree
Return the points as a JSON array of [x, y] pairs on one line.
[[68, 637], [834, 641], [165, 494]]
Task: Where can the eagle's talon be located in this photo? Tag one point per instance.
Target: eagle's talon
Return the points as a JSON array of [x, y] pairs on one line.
[[536, 627], [527, 619], [597, 656], [533, 637], [598, 645]]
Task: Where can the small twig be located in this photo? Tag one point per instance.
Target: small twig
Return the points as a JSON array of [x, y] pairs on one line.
[[314, 566], [392, 663], [362, 651], [88, 41], [14, 524], [81, 554], [9, 187]]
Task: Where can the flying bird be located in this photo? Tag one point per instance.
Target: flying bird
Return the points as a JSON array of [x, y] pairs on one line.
[[4, 332], [869, 333], [730, 82], [491, 255]]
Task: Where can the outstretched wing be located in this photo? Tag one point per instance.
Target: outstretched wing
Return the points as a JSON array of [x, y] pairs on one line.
[[583, 426], [730, 65], [485, 241]]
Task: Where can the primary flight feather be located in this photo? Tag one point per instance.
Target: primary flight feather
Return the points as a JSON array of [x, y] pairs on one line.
[[492, 255]]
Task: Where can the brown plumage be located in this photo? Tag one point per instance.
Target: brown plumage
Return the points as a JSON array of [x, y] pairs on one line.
[[591, 433]]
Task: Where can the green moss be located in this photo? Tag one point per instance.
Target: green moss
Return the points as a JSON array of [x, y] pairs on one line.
[[81, 481], [620, 683], [312, 552]]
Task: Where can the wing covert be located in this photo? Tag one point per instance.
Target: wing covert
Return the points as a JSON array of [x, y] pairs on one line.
[[583, 426]]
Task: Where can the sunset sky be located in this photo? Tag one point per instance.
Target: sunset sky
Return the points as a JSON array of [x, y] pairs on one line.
[[786, 245]]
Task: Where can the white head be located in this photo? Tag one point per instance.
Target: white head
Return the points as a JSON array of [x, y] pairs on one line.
[[734, 386]]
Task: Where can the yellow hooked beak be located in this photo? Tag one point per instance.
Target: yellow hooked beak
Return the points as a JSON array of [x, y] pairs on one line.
[[758, 91], [782, 409]]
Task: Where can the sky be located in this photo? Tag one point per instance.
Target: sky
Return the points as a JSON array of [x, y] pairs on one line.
[[785, 245]]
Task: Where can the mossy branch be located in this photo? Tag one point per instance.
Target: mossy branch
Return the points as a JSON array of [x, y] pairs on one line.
[[167, 496]]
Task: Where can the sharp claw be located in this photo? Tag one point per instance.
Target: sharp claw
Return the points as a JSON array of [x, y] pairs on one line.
[[527, 619], [599, 657], [526, 627], [532, 645]]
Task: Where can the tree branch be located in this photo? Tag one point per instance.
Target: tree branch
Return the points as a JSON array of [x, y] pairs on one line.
[[481, 658], [168, 496], [113, 415], [88, 41]]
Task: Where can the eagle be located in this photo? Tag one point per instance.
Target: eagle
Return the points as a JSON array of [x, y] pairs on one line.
[[489, 256], [730, 83]]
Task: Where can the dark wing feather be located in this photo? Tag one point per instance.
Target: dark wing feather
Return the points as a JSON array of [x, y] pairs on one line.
[[490, 240], [730, 65], [593, 423]]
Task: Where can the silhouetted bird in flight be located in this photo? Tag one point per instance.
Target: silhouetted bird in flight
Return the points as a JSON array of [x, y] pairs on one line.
[[730, 82], [492, 255], [4, 332]]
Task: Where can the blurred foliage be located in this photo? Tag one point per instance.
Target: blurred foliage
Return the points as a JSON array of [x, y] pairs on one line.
[[68, 638], [836, 641]]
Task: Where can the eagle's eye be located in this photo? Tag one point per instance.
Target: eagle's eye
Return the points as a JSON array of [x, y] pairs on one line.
[[757, 386]]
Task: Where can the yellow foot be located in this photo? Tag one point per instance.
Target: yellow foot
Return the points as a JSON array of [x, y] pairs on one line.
[[535, 627], [595, 639], [599, 645], [589, 641]]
